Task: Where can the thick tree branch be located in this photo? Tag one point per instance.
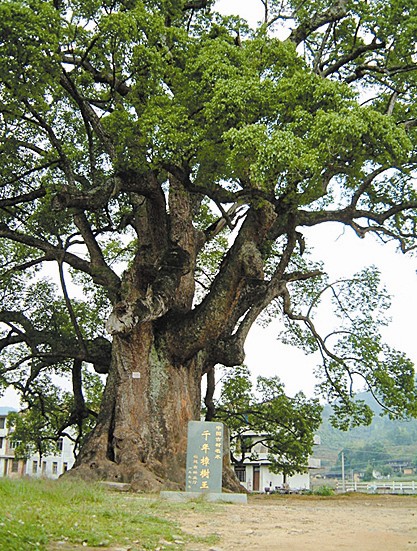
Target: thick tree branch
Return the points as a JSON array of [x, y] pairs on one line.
[[349, 214], [49, 347], [103, 277], [30, 146], [410, 124], [227, 219], [21, 267], [217, 193], [96, 254], [25, 197], [88, 114], [255, 296], [335, 13], [208, 400], [367, 182], [100, 77], [272, 290], [375, 69], [242, 267], [91, 200], [80, 411]]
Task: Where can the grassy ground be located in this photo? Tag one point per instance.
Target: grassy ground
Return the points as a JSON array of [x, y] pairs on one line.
[[43, 515]]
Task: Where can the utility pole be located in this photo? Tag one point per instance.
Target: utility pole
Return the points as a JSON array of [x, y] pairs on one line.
[[343, 472]]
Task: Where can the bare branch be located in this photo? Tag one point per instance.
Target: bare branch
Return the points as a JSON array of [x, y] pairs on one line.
[[344, 60], [391, 103], [117, 85], [317, 65], [374, 69]]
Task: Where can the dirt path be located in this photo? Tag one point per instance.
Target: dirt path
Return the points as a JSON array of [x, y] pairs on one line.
[[354, 523]]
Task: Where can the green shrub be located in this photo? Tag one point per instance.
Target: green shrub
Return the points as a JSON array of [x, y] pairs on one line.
[[324, 491]]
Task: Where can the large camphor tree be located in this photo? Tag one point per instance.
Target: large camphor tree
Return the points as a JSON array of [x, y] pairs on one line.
[[166, 163]]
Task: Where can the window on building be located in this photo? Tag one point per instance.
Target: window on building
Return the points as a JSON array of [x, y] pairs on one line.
[[240, 473], [1, 442], [65, 467], [15, 466], [34, 467], [60, 444], [43, 467], [14, 444], [54, 467], [2, 422]]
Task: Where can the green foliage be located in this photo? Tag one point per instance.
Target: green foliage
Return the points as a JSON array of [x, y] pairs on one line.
[[93, 390], [29, 38], [387, 471], [33, 434], [236, 397], [284, 426], [368, 474], [324, 491]]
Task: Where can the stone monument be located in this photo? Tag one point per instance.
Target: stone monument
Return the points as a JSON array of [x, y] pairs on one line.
[[204, 457], [204, 466]]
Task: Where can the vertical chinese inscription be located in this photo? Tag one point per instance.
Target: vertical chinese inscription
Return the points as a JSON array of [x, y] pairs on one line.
[[204, 457]]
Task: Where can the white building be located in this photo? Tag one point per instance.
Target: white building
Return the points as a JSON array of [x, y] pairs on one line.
[[255, 476], [51, 466]]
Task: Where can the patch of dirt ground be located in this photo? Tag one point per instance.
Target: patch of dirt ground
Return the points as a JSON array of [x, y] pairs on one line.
[[301, 523]]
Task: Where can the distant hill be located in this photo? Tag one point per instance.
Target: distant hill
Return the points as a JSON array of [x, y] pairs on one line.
[[396, 439]]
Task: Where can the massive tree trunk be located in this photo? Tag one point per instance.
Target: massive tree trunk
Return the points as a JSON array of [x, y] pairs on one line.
[[162, 347], [141, 431]]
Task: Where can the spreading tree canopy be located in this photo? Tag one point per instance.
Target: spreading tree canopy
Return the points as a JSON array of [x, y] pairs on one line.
[[165, 163]]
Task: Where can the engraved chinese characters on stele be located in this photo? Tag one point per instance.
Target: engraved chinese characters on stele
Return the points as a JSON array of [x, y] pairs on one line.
[[204, 457]]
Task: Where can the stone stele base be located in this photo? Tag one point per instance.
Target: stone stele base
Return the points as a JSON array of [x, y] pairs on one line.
[[205, 496]]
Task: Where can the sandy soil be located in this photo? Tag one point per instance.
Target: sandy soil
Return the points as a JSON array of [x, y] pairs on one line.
[[299, 523]]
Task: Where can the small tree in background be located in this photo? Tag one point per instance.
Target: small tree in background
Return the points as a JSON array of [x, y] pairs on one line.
[[369, 473], [49, 415], [285, 426]]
